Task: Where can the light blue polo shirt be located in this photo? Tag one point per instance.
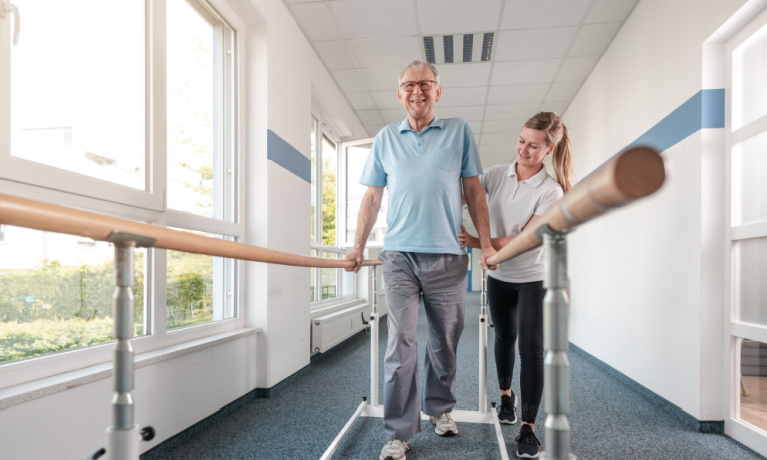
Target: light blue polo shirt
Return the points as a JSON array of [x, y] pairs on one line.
[[422, 172]]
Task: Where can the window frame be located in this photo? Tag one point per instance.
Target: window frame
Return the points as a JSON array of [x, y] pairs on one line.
[[83, 192]]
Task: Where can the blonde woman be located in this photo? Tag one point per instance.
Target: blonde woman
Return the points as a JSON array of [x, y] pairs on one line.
[[518, 194]]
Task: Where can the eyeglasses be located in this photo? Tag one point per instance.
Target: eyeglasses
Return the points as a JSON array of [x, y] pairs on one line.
[[409, 86]]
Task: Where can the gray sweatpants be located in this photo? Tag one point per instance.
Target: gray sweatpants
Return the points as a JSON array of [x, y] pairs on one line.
[[442, 279]]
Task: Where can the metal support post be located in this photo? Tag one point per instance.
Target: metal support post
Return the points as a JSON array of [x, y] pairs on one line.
[[374, 342], [483, 345], [123, 436], [556, 343]]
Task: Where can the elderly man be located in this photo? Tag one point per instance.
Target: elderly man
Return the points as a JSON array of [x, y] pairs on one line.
[[426, 162]]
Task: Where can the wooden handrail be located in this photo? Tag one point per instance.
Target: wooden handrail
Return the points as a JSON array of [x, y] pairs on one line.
[[23, 212], [629, 176]]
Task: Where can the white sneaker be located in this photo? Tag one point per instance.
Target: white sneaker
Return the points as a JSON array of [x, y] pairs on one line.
[[394, 450], [444, 425]]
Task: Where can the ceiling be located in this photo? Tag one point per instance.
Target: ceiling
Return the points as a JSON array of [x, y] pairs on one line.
[[542, 51]]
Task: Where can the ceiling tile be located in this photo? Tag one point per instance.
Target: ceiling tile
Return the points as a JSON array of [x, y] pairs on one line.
[[517, 94], [361, 101], [382, 79], [593, 39], [386, 52], [393, 115], [507, 138], [563, 91], [610, 10], [555, 106], [576, 68], [527, 14], [444, 17], [316, 21], [524, 72], [334, 54], [464, 74], [463, 96], [370, 117], [469, 113], [386, 99], [502, 126], [349, 80], [374, 128], [511, 111], [515, 45], [374, 18], [497, 148], [476, 126]]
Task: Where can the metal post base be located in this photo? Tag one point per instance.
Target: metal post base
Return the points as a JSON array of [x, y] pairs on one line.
[[544, 456], [123, 444]]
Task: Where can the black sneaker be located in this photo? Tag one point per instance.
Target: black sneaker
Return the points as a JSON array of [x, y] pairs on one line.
[[507, 411], [527, 443]]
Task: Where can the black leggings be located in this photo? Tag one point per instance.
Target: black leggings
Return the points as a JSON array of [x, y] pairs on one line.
[[519, 307]]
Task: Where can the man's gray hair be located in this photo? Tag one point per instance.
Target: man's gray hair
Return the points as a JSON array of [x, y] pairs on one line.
[[418, 65]]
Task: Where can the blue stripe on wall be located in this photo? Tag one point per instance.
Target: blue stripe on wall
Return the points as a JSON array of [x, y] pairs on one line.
[[703, 110], [285, 155]]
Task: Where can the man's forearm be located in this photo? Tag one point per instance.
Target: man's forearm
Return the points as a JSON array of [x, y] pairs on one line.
[[366, 219], [480, 217]]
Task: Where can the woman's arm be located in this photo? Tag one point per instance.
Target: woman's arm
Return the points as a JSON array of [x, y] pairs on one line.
[[467, 240]]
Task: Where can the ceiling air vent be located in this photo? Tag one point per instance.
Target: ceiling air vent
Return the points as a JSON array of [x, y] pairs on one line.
[[441, 49]]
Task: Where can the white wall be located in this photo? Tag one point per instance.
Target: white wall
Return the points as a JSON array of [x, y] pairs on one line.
[[646, 283], [278, 199], [283, 75], [170, 396]]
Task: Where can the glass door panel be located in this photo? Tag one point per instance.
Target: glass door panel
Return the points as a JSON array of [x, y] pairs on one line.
[[753, 383]]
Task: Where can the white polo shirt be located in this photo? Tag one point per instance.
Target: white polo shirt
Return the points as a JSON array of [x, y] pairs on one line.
[[511, 205]]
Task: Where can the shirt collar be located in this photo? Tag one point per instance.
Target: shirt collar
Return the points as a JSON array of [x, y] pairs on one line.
[[534, 181], [436, 123]]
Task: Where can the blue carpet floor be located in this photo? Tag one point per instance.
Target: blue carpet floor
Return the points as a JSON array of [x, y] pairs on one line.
[[303, 415]]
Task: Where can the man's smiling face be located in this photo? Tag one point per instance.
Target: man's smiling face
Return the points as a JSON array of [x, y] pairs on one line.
[[419, 103]]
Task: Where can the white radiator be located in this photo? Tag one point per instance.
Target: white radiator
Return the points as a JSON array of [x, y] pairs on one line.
[[337, 323]]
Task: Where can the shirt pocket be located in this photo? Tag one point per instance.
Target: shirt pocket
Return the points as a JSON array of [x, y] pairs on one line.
[[448, 159]]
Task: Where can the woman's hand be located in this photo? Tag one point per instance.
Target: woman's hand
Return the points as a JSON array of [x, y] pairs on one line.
[[467, 240]]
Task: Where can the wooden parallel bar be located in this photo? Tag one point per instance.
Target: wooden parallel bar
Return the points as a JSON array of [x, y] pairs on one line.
[[629, 176], [23, 212]]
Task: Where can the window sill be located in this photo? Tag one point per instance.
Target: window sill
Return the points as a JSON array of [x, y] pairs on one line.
[[26, 392], [334, 306]]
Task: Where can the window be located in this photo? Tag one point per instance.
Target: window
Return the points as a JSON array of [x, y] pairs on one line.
[[747, 229], [355, 156], [103, 126], [56, 293], [326, 283], [200, 288], [200, 99], [71, 112]]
